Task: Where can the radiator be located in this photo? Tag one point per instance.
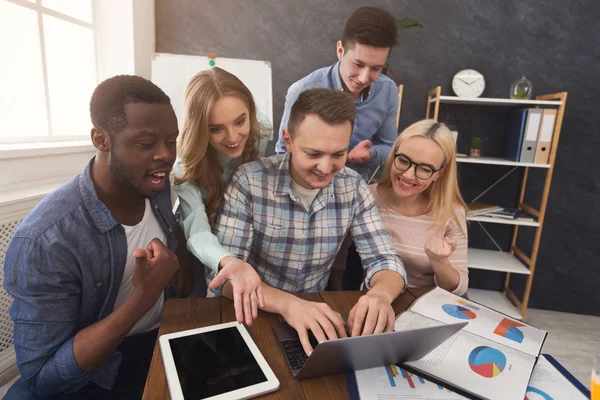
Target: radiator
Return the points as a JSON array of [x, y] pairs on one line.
[[11, 214], [7, 352]]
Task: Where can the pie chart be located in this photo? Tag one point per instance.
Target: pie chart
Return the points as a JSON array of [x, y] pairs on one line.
[[509, 329], [487, 362], [536, 394], [459, 312]]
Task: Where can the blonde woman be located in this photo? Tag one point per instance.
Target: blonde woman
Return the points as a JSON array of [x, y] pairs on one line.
[[422, 208], [220, 132]]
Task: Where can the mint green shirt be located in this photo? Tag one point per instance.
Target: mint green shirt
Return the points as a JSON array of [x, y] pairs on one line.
[[193, 219]]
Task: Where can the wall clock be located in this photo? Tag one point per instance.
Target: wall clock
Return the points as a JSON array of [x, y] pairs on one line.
[[468, 83]]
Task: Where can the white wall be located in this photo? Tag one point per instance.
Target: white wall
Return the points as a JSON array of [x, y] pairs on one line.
[[144, 37]]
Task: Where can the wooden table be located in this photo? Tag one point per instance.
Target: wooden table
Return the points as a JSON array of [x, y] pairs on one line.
[[182, 314]]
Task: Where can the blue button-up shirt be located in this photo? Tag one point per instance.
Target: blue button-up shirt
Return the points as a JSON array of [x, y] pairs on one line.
[[63, 267], [264, 222], [375, 115]]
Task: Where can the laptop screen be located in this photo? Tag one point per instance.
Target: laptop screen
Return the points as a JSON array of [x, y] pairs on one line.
[[212, 363]]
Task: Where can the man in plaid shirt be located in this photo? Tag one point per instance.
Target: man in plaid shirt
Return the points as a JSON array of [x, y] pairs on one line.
[[287, 215]]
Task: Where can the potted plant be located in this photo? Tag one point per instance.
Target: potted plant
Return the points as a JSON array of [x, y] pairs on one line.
[[475, 147], [453, 128], [403, 23]]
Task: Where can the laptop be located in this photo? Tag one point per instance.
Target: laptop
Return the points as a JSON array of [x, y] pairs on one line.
[[360, 352]]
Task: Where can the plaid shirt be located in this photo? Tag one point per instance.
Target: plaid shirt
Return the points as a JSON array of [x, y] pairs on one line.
[[265, 223]]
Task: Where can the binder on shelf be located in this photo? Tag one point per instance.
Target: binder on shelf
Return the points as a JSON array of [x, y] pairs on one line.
[[542, 151], [514, 134], [532, 126]]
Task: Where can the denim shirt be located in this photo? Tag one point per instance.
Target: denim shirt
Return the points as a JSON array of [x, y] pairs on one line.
[[375, 114], [63, 267]]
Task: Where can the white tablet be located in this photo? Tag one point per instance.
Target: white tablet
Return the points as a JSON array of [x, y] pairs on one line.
[[215, 362]]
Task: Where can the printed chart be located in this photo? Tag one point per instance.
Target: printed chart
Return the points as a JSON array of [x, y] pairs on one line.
[[510, 329], [536, 394], [487, 362], [396, 375], [459, 312]]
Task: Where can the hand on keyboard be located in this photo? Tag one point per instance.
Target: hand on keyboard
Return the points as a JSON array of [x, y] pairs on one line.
[[317, 317], [294, 352], [372, 313]]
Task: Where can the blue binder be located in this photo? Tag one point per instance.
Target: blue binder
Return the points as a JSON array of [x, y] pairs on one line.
[[514, 134], [566, 374]]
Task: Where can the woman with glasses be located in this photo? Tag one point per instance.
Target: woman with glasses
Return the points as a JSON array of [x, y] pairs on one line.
[[422, 208]]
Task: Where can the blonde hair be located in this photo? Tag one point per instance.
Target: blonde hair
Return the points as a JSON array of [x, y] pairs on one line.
[[199, 160], [443, 193]]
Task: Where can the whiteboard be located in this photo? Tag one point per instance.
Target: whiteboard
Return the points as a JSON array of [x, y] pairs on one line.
[[172, 73]]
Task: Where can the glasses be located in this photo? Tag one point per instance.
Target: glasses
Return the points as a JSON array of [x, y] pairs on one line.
[[422, 171]]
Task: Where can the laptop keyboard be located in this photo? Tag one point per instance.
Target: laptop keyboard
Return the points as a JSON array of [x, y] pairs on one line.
[[292, 348], [294, 352]]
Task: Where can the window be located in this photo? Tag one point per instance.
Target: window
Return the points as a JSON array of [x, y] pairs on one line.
[[48, 70]]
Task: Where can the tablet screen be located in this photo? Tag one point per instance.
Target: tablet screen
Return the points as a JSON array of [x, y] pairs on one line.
[[212, 363]]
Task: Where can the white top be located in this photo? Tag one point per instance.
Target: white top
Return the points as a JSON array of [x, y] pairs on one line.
[[138, 237], [306, 195]]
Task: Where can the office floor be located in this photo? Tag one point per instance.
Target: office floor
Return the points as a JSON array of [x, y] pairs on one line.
[[572, 340]]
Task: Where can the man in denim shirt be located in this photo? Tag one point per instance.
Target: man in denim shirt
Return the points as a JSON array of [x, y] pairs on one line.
[[369, 35], [88, 267]]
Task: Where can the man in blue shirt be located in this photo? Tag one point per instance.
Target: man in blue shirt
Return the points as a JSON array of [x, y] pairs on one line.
[[369, 35], [88, 267]]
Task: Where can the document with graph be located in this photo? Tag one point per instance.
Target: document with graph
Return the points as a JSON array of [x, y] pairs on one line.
[[491, 358], [392, 382], [446, 307]]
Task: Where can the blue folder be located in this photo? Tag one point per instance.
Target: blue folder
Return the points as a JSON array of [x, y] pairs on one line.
[[514, 134], [353, 388], [565, 373]]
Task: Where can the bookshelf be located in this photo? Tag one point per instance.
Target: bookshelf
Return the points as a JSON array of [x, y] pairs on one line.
[[514, 261], [499, 161], [495, 101], [516, 221]]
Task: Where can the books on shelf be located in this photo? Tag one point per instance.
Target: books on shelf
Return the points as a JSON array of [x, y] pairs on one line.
[[491, 358], [477, 208], [508, 213]]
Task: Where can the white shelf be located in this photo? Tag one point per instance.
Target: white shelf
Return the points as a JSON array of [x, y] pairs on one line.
[[496, 101], [493, 260], [497, 220], [494, 300], [498, 161]]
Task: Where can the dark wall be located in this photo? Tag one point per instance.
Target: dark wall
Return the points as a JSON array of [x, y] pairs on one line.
[[554, 43]]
